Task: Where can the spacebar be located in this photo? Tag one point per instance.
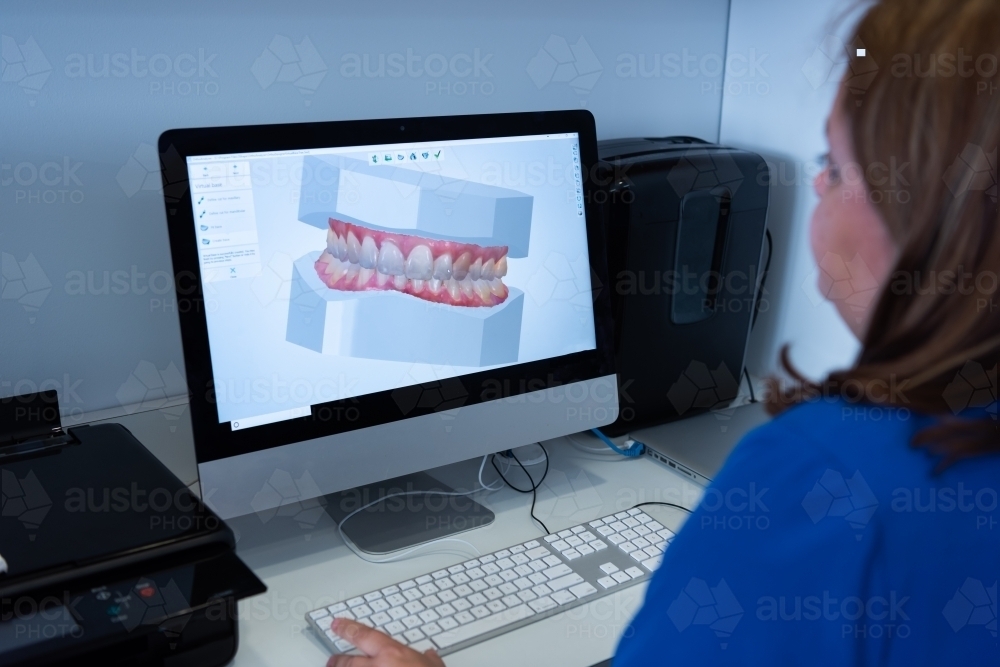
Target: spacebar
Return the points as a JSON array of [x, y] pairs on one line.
[[482, 626]]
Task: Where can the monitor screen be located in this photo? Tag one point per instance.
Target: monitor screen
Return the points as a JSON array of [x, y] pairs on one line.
[[334, 273]]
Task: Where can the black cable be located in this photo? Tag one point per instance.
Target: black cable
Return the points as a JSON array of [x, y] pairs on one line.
[[534, 487], [654, 502], [753, 399], [763, 277]]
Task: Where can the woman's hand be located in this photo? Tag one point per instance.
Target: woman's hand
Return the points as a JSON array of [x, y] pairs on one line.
[[380, 650]]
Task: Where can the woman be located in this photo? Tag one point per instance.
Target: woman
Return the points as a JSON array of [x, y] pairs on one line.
[[875, 535]]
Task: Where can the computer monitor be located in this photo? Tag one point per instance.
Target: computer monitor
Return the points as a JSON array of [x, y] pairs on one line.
[[360, 300]]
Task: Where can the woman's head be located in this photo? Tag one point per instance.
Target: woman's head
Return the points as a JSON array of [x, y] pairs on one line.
[[908, 204]]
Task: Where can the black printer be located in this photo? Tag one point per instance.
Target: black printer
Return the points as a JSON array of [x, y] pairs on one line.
[[105, 556], [685, 224]]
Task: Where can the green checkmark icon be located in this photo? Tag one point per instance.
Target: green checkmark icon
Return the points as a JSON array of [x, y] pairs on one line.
[[438, 154]]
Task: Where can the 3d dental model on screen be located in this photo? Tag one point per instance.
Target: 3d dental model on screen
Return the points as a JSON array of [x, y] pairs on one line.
[[424, 251]]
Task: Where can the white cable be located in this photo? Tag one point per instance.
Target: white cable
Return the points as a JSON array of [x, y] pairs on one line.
[[362, 554]]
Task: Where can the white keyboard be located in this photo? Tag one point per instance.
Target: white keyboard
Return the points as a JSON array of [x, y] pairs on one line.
[[484, 597]]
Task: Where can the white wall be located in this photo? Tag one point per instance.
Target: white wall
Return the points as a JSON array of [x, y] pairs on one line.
[[86, 303], [781, 115]]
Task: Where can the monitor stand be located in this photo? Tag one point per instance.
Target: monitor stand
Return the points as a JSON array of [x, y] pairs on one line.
[[405, 521]]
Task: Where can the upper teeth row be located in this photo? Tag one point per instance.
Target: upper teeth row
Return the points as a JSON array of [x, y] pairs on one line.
[[419, 265]]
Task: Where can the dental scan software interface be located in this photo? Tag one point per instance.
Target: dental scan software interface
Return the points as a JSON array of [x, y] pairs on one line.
[[333, 273]]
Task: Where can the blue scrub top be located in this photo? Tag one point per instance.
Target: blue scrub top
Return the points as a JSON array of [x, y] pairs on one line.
[[827, 539]]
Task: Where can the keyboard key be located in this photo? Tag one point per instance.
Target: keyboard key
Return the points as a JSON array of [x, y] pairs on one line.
[[381, 618], [448, 623], [460, 578], [464, 617], [482, 626], [538, 578], [444, 610], [461, 604], [395, 600], [609, 568], [523, 570], [638, 555], [634, 572], [425, 579], [621, 515], [503, 553], [621, 577], [537, 552], [493, 580], [495, 605], [619, 526], [561, 545], [440, 574], [551, 538], [446, 596], [559, 570], [654, 525], [531, 544], [523, 583], [412, 622], [563, 597], [587, 536], [552, 560], [431, 629], [519, 559], [412, 594], [354, 602], [395, 628], [480, 611], [542, 604], [565, 533], [607, 582], [652, 564], [430, 601], [565, 582], [408, 584], [615, 539], [597, 522], [509, 575], [505, 563], [541, 589], [334, 608], [526, 596], [493, 593], [507, 588], [413, 635], [444, 583], [475, 573], [427, 589], [605, 530], [361, 611], [642, 530], [578, 529], [374, 595], [574, 541], [462, 590], [455, 569], [421, 645], [478, 598], [488, 558], [345, 613], [428, 615], [379, 605], [597, 545], [571, 554], [582, 590], [491, 568], [519, 549], [643, 517], [538, 565], [398, 612], [640, 542], [478, 585], [629, 534], [631, 522], [627, 547], [634, 511], [585, 549], [414, 607]]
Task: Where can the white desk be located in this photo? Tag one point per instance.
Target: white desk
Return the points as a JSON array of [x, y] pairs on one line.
[[306, 565]]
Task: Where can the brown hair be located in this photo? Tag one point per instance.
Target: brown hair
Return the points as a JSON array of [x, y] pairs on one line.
[[927, 93]]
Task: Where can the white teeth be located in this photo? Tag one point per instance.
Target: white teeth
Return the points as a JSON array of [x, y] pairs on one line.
[[352, 273], [453, 290], [335, 270], [498, 288], [442, 267], [487, 273], [435, 285], [342, 248], [476, 269], [460, 268], [501, 268], [369, 253], [364, 275], [466, 287], [420, 263], [390, 259], [381, 278], [353, 248], [417, 286], [399, 282], [331, 243], [483, 290]]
